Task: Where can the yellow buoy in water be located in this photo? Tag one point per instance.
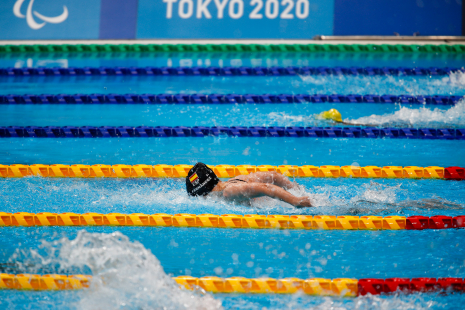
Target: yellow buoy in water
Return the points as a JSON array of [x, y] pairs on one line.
[[332, 114]]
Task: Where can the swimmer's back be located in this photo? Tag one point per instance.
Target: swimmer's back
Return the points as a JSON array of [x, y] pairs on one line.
[[240, 179]]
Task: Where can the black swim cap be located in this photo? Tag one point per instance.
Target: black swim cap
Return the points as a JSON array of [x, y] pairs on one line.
[[200, 180]]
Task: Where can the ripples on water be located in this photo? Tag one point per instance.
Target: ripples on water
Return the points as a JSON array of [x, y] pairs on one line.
[[125, 274], [338, 197], [128, 276], [331, 84]]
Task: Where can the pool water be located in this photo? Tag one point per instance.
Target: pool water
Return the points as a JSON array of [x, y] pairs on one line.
[[33, 60], [345, 85], [132, 265], [234, 151], [330, 196], [306, 114]]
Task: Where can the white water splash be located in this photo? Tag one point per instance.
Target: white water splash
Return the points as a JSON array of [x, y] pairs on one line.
[[347, 195], [169, 196], [128, 276], [288, 120], [422, 117], [456, 79], [125, 274], [395, 85], [326, 198], [378, 194], [425, 116]]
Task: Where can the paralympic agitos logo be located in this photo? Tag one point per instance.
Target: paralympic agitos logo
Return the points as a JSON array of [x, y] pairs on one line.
[[45, 19]]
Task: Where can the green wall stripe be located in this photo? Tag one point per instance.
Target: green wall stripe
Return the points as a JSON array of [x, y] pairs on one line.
[[373, 48]]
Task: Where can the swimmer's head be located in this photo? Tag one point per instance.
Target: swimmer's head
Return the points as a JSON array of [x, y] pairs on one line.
[[332, 114], [200, 180]]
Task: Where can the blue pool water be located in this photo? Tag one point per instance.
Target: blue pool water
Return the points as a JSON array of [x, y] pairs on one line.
[[333, 197], [251, 253], [306, 114], [34, 60], [234, 151], [380, 85], [133, 263]]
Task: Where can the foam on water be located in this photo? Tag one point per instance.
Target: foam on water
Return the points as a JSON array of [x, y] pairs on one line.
[[372, 198], [355, 196], [305, 114], [288, 120], [128, 276], [331, 84], [422, 117], [125, 274], [452, 84], [455, 78]]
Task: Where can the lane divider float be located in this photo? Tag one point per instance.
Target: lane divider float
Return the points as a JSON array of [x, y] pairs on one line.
[[229, 171], [344, 287], [237, 48], [225, 71], [308, 222], [48, 282], [233, 131], [223, 99]]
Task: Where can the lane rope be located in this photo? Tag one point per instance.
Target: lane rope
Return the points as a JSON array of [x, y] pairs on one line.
[[233, 131], [343, 287], [223, 99], [244, 48], [229, 171], [254, 221], [226, 71]]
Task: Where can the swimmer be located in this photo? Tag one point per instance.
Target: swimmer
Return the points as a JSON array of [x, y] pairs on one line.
[[335, 116], [202, 181]]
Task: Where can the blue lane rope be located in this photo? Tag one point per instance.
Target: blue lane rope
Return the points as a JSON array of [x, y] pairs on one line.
[[234, 131], [222, 99], [225, 71]]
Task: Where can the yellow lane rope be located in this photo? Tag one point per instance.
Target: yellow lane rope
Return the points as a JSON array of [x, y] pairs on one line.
[[328, 222], [315, 286], [340, 287], [222, 171]]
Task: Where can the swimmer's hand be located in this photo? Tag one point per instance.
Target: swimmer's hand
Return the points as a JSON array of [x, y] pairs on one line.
[[303, 202]]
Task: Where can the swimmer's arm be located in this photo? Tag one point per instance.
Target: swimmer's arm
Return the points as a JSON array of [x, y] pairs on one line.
[[271, 177], [255, 190]]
